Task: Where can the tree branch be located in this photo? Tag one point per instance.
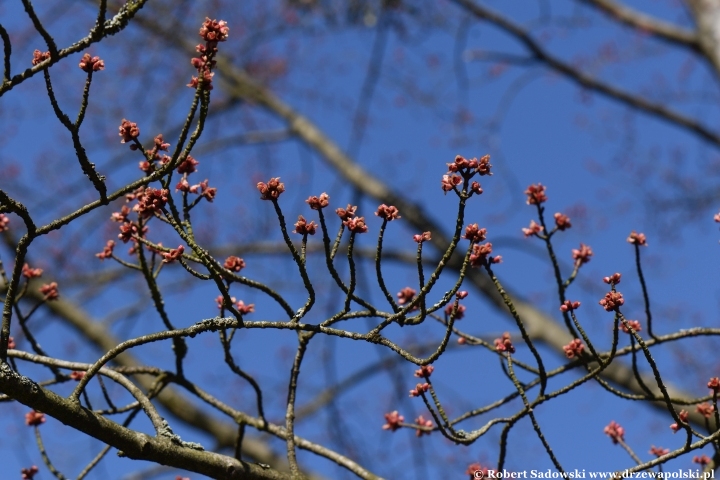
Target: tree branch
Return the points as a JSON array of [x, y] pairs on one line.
[[539, 324], [658, 110], [161, 450], [707, 16], [110, 27], [665, 31], [172, 400]]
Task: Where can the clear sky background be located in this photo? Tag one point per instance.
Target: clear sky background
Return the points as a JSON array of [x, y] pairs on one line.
[[438, 92]]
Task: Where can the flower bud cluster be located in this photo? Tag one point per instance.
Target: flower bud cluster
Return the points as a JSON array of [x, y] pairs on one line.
[[213, 32]]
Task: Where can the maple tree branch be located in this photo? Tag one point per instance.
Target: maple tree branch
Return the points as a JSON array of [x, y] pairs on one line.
[[660, 29], [541, 326], [165, 449]]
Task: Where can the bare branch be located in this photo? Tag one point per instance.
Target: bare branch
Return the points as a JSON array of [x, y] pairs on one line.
[[658, 28], [707, 17], [172, 400], [164, 449], [539, 325], [584, 80]]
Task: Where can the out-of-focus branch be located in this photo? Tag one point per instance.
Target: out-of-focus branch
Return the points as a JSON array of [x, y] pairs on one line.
[[707, 19], [372, 76], [662, 30], [632, 100], [249, 138]]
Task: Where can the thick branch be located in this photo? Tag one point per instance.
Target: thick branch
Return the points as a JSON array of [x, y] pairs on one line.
[[662, 30], [135, 445], [707, 19], [173, 401]]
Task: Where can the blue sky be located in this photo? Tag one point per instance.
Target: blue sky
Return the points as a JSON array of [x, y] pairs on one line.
[[600, 161]]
